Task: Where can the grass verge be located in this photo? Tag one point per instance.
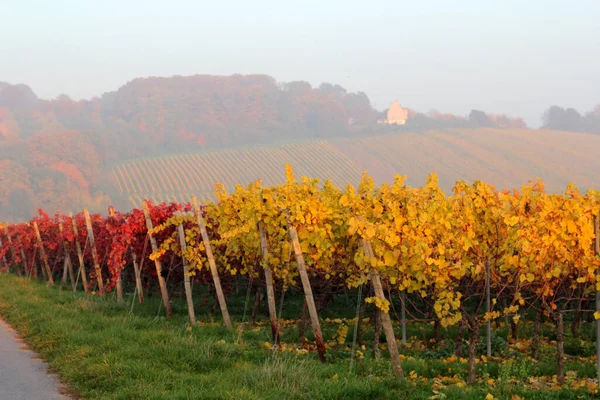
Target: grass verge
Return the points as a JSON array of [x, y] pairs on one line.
[[101, 351]]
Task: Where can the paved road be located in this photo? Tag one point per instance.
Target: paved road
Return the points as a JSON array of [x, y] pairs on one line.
[[22, 376]]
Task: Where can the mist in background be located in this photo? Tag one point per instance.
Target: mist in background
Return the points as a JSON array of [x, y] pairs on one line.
[[511, 57]]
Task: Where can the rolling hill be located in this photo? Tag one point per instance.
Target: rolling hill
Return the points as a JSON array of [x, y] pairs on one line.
[[505, 158]]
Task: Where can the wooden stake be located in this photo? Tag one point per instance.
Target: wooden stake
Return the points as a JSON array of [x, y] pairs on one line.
[[3, 263], [43, 269], [264, 246], [119, 288], [68, 263], [597, 252], [138, 278], [43, 254], [79, 255], [211, 263], [24, 261], [161, 280], [308, 295], [90, 231], [560, 346], [12, 251], [403, 316], [186, 276], [111, 213], [488, 305], [385, 317], [63, 281], [33, 270]]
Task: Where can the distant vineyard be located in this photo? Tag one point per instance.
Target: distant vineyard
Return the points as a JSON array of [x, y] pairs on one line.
[[177, 178], [504, 158]]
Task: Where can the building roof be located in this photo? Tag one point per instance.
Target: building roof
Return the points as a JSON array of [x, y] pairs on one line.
[[396, 112]]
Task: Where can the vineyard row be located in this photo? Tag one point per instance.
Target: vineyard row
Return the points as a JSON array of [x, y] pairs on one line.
[[470, 257]]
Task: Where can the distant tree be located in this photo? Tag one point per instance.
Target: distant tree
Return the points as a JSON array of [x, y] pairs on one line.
[[562, 119], [329, 89], [358, 106], [478, 118], [592, 120], [9, 128], [298, 87], [18, 97], [504, 122], [326, 119]]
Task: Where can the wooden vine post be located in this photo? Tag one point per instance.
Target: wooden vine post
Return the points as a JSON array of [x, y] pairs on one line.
[[79, 255], [211, 262], [24, 261], [12, 251], [308, 294], [560, 345], [403, 316], [111, 213], [138, 278], [264, 246], [3, 263], [42, 268], [43, 254], [68, 267], [31, 267], [161, 280], [385, 316], [186, 276], [90, 231], [488, 308], [597, 252]]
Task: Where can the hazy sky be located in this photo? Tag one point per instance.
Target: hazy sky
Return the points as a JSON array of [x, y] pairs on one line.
[[513, 57]]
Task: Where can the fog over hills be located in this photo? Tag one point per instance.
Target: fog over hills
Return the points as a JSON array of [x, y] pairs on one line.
[[62, 155]]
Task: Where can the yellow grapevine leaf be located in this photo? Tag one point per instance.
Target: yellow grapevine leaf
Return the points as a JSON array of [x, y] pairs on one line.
[[512, 221], [441, 249], [389, 258], [370, 232]]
